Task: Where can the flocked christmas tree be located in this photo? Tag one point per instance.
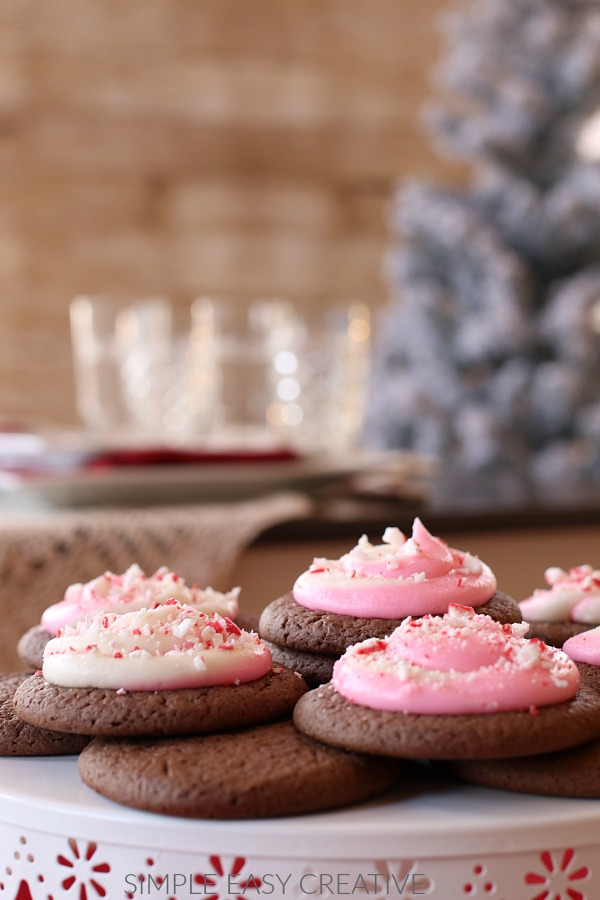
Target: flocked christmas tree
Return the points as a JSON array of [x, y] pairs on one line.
[[488, 355]]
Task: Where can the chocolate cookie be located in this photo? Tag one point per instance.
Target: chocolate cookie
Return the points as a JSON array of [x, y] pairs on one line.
[[555, 633], [326, 715], [269, 770], [315, 668], [17, 738], [502, 608], [288, 624], [96, 711], [590, 675], [568, 773], [31, 646]]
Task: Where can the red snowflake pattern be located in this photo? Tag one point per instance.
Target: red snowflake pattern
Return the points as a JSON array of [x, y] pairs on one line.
[[77, 861], [555, 880]]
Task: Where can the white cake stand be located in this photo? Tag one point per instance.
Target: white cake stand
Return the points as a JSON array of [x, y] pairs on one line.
[[435, 839]]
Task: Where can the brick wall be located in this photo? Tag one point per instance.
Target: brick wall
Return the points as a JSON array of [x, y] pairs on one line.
[[180, 147]]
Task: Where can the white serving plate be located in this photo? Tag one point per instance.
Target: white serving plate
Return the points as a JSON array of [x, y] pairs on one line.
[[436, 839], [203, 482]]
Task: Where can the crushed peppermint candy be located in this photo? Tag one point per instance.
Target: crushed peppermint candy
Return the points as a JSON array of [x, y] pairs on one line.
[[459, 663], [172, 628], [133, 590], [170, 645], [399, 577]]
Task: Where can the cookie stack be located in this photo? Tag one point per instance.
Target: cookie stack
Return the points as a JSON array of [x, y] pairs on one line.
[[189, 717], [412, 652], [109, 592], [18, 738], [369, 592], [368, 612], [499, 709]]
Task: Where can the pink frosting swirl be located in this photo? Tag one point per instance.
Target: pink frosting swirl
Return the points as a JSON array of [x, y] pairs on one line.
[[459, 663], [401, 577], [584, 647], [573, 596]]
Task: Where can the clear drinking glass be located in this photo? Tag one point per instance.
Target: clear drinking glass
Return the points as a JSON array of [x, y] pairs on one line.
[[320, 367], [121, 355], [234, 339]]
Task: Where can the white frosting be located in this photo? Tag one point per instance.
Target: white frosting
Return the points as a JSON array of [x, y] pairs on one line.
[[131, 591], [572, 596], [171, 646]]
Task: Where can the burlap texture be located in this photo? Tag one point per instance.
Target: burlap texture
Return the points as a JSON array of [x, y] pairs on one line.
[[42, 553]]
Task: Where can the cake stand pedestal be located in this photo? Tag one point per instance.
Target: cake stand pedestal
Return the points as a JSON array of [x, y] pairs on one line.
[[435, 839]]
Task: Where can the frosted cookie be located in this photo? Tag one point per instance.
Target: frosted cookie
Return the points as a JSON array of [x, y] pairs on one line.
[[17, 738], [270, 770], [130, 591], [370, 590], [570, 605], [401, 577], [167, 670], [452, 686], [568, 773]]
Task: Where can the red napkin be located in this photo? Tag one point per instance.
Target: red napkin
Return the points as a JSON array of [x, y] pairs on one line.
[[165, 456]]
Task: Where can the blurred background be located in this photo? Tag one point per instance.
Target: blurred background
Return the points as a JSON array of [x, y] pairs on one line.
[[171, 148], [428, 171]]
